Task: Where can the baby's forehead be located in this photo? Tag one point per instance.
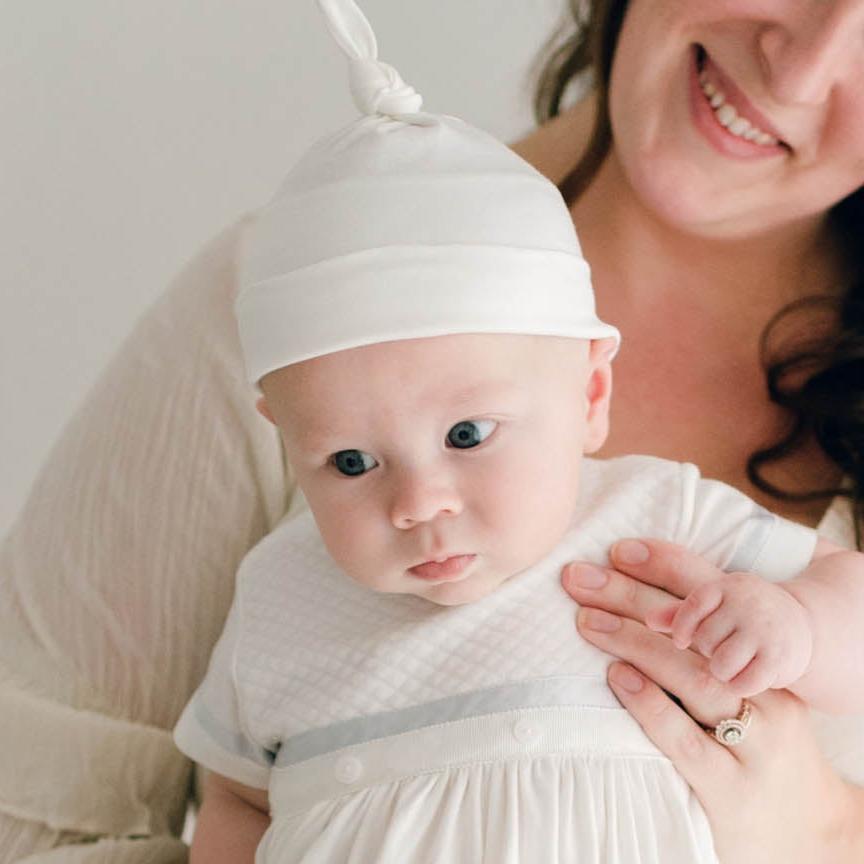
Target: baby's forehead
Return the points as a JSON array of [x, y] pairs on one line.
[[469, 356], [414, 374]]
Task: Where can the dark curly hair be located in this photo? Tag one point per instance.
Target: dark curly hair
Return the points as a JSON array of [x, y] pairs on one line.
[[819, 381]]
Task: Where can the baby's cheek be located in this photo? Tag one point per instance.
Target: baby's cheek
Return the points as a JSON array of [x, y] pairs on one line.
[[548, 500], [352, 540], [529, 509], [362, 564]]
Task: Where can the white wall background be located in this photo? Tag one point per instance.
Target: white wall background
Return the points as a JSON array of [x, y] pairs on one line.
[[133, 131]]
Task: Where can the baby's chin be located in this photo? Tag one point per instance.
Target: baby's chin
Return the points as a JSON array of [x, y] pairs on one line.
[[474, 585], [461, 592]]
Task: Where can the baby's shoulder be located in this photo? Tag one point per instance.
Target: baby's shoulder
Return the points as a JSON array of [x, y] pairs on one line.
[[635, 495], [292, 552], [624, 474]]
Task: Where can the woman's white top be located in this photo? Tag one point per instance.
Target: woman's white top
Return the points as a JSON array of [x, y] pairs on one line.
[[391, 730], [116, 580]]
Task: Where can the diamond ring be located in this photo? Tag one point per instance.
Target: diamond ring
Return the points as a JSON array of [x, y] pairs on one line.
[[734, 730]]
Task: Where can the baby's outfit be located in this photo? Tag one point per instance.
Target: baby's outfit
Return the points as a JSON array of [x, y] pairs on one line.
[[390, 730]]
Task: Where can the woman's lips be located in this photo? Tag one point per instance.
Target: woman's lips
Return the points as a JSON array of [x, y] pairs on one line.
[[706, 120], [450, 568]]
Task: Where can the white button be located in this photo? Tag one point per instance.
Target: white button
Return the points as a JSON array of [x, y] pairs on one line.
[[525, 732], [348, 770]]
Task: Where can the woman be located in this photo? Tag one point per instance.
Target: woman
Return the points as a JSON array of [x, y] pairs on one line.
[[128, 551], [737, 228]]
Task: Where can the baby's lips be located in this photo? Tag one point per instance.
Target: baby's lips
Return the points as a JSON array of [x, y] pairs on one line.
[[447, 569]]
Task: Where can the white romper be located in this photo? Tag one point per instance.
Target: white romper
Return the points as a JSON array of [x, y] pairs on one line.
[[390, 730]]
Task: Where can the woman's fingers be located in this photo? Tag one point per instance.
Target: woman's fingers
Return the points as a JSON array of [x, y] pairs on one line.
[[661, 619], [664, 565], [604, 588], [683, 673], [779, 760], [650, 575], [698, 757]]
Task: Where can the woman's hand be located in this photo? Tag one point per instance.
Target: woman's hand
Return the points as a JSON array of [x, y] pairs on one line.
[[773, 797]]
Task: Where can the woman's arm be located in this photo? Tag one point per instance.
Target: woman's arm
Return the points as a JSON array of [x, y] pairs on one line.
[[116, 579], [772, 798], [231, 822]]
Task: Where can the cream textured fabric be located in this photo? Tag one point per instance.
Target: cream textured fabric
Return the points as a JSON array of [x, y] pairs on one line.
[[117, 576], [116, 580]]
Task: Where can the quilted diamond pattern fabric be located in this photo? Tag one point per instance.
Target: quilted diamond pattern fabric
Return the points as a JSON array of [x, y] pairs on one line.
[[316, 649]]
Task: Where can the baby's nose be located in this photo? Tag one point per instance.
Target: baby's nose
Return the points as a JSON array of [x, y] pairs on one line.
[[421, 499]]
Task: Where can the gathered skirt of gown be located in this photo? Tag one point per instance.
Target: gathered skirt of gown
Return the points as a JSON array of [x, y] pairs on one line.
[[556, 785]]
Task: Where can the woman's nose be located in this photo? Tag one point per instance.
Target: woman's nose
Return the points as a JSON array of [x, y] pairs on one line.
[[811, 49], [422, 498]]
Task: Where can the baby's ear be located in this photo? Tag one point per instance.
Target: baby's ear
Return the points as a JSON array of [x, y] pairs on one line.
[[264, 411], [598, 393]]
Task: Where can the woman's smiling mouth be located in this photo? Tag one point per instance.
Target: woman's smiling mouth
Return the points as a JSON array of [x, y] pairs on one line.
[[725, 116]]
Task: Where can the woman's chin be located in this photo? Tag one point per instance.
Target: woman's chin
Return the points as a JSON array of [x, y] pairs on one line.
[[688, 199]]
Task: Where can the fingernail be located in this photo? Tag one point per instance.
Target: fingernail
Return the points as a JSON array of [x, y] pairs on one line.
[[631, 552], [597, 619], [586, 576], [626, 677]]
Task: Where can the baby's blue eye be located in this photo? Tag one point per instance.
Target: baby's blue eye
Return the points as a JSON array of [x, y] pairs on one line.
[[470, 433], [352, 463]]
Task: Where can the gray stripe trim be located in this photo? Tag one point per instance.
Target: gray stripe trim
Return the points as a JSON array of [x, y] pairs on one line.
[[754, 535], [230, 739], [539, 693]]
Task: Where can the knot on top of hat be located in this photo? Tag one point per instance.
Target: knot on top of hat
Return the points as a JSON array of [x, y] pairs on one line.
[[377, 88]]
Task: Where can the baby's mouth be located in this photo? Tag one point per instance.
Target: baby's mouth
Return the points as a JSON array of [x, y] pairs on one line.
[[449, 568]]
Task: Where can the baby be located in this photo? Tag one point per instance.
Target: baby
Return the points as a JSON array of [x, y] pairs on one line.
[[399, 678]]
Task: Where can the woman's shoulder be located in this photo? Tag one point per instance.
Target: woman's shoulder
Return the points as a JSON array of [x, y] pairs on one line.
[[555, 147]]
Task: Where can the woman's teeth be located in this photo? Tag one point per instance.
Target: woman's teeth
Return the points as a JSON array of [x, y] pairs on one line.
[[727, 116]]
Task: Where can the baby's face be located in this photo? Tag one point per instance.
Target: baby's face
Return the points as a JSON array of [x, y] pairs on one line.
[[441, 467]]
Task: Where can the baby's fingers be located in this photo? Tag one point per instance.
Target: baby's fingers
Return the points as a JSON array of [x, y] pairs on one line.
[[758, 676], [695, 607], [732, 657]]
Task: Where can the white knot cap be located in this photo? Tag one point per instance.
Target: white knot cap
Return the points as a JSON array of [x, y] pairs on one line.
[[377, 88]]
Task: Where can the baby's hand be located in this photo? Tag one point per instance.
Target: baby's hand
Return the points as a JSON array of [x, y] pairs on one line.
[[755, 633]]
